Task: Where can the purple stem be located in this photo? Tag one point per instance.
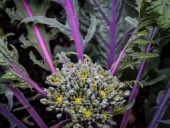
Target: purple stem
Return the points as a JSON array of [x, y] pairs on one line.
[[112, 34], [112, 42], [28, 80], [40, 39], [10, 116], [135, 89], [62, 123], [30, 109], [162, 107], [101, 12], [74, 28], [120, 10], [133, 95], [113, 70]]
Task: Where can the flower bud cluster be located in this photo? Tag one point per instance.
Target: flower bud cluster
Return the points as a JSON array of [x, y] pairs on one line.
[[84, 90]]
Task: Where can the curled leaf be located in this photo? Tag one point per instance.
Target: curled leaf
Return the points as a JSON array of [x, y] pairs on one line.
[[120, 110]]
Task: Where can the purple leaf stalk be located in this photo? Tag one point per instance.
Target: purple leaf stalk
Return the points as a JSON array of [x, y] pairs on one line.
[[73, 20], [11, 117], [30, 109], [112, 34], [69, 5], [62, 123], [112, 42], [162, 107], [28, 80], [101, 12], [135, 89], [116, 64], [40, 39]]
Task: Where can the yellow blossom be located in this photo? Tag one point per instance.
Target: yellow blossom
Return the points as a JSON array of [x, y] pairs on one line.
[[59, 99], [78, 100], [88, 113], [106, 115], [103, 94]]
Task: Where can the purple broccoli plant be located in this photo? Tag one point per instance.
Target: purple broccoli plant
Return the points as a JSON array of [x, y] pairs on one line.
[[93, 89]]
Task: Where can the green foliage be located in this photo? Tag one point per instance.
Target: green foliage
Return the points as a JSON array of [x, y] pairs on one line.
[[120, 110], [154, 81], [135, 53], [132, 21], [157, 68], [19, 13], [15, 13], [155, 12], [161, 10], [101, 10], [94, 21], [91, 30], [11, 56], [93, 26], [50, 22], [38, 62]]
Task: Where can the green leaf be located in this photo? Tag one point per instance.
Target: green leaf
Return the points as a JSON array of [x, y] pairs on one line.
[[156, 69], [142, 33], [39, 9], [11, 76], [3, 88], [2, 60], [138, 3], [120, 110], [16, 14], [159, 97], [20, 12], [144, 56], [132, 21], [21, 108], [165, 121], [91, 30], [154, 81], [38, 62], [12, 54], [9, 95], [62, 58], [143, 42], [161, 10], [50, 22]]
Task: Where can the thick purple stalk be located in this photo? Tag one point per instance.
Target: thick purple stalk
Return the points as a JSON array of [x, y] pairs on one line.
[[74, 27], [133, 95], [112, 34], [112, 42], [11, 117], [162, 107], [40, 39], [30, 109], [113, 70], [135, 89], [101, 12], [62, 123], [28, 80]]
